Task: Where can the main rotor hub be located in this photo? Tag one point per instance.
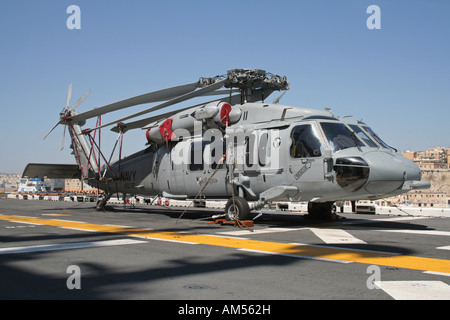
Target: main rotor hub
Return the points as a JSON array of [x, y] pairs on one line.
[[255, 79], [248, 81]]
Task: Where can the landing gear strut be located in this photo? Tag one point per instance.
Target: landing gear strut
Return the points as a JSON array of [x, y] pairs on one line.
[[101, 203]]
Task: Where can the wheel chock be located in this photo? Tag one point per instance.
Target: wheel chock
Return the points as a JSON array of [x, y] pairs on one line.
[[242, 223]]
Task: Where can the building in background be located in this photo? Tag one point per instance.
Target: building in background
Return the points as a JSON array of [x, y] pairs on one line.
[[74, 185], [432, 159]]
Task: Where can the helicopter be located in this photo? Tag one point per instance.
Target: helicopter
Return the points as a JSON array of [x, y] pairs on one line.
[[236, 147]]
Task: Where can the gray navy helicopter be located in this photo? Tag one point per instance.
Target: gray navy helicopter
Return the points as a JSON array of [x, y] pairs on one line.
[[236, 147]]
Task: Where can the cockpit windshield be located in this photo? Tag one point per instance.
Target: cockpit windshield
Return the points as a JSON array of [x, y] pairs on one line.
[[363, 136], [339, 136], [377, 138], [306, 141]]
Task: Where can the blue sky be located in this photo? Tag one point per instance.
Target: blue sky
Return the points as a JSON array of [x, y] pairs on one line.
[[396, 79]]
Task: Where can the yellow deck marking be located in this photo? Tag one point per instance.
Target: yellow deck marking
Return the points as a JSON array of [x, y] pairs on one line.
[[366, 257]]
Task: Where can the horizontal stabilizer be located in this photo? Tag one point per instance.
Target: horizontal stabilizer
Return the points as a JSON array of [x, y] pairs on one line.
[[52, 171]]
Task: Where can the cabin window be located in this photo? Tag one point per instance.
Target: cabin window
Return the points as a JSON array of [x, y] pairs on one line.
[[305, 142], [215, 152], [196, 156], [201, 149], [249, 150], [262, 152], [339, 136]]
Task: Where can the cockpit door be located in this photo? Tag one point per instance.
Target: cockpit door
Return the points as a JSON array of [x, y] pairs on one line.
[[310, 161]]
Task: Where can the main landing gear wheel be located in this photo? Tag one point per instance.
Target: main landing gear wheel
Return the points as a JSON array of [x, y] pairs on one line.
[[238, 208], [321, 210]]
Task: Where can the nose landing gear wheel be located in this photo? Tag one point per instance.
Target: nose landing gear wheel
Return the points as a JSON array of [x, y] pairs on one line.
[[238, 208]]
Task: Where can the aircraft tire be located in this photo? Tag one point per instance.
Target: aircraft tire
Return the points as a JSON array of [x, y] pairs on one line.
[[242, 209]]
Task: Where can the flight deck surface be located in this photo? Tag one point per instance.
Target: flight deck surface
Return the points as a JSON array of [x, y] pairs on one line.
[[47, 249]]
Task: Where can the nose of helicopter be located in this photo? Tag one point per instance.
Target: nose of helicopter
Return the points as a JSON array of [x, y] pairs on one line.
[[389, 172]]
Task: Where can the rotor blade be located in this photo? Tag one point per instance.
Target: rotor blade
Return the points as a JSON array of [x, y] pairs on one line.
[[220, 92], [80, 101], [143, 122], [155, 96], [51, 130], [181, 98], [69, 95]]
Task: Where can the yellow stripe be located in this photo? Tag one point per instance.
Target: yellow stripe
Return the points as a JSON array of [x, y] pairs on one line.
[[366, 257]]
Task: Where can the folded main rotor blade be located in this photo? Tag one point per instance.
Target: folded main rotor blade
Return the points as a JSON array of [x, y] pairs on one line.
[[155, 96], [143, 122], [181, 98], [140, 124]]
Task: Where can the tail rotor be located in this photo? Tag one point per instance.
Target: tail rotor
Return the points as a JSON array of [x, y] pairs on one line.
[[67, 112]]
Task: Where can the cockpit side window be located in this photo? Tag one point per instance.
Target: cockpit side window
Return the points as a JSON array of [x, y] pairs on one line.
[[305, 142], [339, 136], [376, 137], [363, 136]]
